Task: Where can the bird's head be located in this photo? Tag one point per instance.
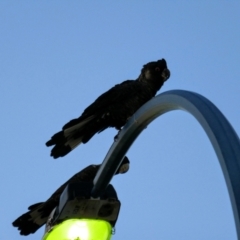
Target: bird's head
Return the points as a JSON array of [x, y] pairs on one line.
[[156, 72]]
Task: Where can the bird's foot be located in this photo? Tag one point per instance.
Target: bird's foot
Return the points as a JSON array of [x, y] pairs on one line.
[[116, 137]]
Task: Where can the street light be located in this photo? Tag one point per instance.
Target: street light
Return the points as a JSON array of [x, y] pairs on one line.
[[224, 140], [223, 137], [79, 217]]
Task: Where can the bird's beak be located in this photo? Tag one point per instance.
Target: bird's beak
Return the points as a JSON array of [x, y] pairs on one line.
[[124, 168], [165, 74]]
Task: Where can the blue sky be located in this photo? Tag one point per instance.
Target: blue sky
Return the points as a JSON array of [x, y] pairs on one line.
[[56, 57]]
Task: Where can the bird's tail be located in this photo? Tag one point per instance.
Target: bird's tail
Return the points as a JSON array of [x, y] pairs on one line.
[[36, 217], [31, 221], [75, 132]]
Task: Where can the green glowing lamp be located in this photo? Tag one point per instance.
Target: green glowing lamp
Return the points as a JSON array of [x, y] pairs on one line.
[[80, 229]]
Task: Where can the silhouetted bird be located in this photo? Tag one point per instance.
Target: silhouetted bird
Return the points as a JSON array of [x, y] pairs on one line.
[[32, 220], [112, 109]]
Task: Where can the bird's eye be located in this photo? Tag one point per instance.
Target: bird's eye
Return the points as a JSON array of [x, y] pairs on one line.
[[157, 69]]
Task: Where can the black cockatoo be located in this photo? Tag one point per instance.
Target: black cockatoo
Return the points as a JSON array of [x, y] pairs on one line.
[[38, 213], [112, 109]]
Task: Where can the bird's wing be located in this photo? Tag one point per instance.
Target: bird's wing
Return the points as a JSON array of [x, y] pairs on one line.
[[122, 92], [117, 94], [87, 174]]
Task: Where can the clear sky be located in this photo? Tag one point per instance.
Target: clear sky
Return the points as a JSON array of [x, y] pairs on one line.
[[56, 57]]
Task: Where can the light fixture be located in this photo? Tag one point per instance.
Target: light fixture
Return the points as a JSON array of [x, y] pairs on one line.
[[80, 217]]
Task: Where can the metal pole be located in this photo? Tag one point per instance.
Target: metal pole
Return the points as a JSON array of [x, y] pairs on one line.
[[224, 139]]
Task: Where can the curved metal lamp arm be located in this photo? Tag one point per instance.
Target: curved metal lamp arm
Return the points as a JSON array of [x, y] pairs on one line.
[[224, 139]]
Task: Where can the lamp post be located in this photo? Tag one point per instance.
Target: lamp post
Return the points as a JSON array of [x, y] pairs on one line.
[[224, 139]]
